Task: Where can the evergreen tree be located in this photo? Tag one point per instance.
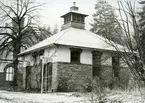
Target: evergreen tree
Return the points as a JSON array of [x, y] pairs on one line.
[[55, 30], [105, 22]]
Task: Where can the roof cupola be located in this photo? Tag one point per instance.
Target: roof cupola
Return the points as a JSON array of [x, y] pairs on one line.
[[74, 18]]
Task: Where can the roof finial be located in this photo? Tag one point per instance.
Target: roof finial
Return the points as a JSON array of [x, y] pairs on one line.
[[74, 3], [74, 7]]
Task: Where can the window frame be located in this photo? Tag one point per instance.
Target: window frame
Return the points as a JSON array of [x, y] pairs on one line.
[[82, 19], [9, 74], [115, 65], [75, 53], [74, 18], [78, 18]]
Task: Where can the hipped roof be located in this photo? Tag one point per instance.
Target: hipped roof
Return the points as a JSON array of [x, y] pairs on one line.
[[78, 38]]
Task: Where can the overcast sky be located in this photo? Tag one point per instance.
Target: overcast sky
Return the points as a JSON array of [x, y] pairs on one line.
[[55, 8]]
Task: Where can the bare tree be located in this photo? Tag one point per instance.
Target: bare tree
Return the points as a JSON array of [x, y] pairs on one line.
[[131, 51], [18, 28]]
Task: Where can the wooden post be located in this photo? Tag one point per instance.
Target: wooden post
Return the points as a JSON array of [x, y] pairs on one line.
[[42, 75]]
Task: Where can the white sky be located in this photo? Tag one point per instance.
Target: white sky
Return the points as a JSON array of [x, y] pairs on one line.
[[55, 8]]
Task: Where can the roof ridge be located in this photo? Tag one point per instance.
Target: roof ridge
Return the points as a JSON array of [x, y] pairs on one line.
[[61, 35]]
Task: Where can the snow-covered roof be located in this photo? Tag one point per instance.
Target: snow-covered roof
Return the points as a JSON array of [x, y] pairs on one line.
[[75, 37]]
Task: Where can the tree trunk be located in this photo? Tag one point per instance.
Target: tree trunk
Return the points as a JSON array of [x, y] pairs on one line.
[[16, 51]]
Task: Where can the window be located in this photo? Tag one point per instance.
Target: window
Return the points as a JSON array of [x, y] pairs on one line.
[[75, 55], [69, 18], [9, 74], [74, 17], [65, 20], [82, 19], [115, 66], [37, 55], [96, 63], [34, 56], [78, 18]]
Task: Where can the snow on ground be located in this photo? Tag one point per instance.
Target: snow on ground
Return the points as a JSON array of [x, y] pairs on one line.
[[19, 97], [126, 97], [3, 101], [111, 97]]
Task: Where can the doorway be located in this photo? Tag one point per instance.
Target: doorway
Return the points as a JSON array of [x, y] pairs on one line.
[[28, 77], [47, 77]]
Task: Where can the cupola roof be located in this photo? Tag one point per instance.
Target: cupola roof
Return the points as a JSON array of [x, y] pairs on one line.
[[74, 18]]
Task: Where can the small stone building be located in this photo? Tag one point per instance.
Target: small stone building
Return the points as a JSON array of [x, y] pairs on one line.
[[70, 59]]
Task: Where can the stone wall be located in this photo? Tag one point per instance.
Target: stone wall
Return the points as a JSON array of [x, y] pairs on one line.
[[34, 77], [2, 78], [54, 77], [120, 82], [3, 83], [106, 76], [124, 77], [74, 77], [78, 77], [20, 80]]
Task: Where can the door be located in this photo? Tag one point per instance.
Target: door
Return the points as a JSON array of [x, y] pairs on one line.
[[28, 77], [47, 77]]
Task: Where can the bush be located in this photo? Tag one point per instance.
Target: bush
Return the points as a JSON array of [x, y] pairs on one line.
[[88, 88], [87, 85]]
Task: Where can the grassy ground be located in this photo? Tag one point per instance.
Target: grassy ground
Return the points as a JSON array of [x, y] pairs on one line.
[[117, 96], [114, 96]]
